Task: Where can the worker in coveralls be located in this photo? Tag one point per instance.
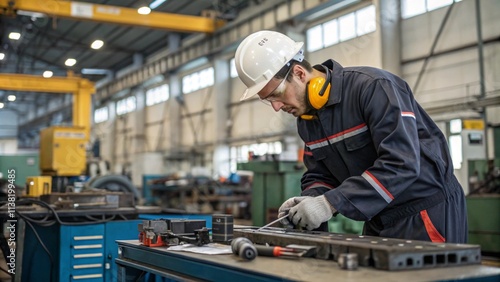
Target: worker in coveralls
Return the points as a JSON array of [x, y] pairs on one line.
[[372, 153]]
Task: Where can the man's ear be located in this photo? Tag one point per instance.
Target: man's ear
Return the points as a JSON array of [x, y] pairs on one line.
[[300, 72]]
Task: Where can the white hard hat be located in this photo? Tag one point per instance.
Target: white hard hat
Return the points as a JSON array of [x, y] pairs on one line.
[[260, 57]]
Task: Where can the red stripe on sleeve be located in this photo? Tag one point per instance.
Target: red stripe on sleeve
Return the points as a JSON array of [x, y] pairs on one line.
[[380, 184]]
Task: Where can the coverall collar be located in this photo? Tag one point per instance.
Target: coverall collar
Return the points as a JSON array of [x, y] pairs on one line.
[[336, 81]]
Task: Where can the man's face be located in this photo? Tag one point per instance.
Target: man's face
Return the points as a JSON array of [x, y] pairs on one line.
[[288, 96]]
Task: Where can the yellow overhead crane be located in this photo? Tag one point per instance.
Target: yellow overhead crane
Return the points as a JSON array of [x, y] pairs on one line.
[[62, 149], [112, 14]]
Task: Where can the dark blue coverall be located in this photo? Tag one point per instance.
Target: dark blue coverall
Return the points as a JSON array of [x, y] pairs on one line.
[[378, 157]]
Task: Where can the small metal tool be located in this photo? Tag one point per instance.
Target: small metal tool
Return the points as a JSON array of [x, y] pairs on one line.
[[273, 222]]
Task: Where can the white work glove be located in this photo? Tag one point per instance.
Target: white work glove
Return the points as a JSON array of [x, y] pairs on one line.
[[285, 208], [310, 212]]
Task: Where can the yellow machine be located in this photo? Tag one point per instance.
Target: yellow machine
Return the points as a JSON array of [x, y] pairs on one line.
[[62, 151], [38, 185]]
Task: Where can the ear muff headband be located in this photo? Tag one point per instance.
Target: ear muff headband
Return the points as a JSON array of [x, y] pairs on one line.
[[318, 90]]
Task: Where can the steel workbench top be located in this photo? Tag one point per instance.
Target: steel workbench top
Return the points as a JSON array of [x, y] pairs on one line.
[[179, 265]]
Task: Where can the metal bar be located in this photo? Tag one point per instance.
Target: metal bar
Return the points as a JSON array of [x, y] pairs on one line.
[[36, 83], [434, 44], [453, 50], [461, 106], [480, 48]]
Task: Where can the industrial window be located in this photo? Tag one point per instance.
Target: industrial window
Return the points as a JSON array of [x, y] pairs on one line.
[[101, 115], [455, 143], [456, 150], [315, 38], [346, 27], [411, 8], [157, 95], [258, 150], [198, 80], [126, 105], [365, 20], [232, 68]]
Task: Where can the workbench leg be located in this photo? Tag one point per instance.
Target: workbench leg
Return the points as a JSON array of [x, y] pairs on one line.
[[128, 274]]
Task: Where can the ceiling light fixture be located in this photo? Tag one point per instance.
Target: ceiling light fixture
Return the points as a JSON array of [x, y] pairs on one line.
[[47, 74], [1, 105], [96, 71], [97, 44], [2, 56], [11, 98], [30, 14], [144, 10], [155, 4], [14, 35], [70, 62]]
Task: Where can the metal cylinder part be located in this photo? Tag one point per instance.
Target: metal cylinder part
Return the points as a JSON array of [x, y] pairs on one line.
[[235, 244], [247, 251], [348, 261], [244, 248]]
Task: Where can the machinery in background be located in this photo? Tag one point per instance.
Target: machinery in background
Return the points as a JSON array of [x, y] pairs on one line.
[[467, 142], [38, 185], [484, 177], [63, 149], [484, 199], [24, 165], [276, 181], [273, 183], [195, 194]]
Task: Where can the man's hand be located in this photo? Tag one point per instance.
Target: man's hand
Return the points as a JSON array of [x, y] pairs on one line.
[[309, 212], [285, 208]]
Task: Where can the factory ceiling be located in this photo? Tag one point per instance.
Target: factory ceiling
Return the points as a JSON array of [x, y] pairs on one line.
[[47, 40]]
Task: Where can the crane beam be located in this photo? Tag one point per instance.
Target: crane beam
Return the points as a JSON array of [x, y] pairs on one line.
[[81, 88], [112, 14]]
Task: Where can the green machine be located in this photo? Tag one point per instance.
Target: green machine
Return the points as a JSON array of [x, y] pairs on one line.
[[483, 201], [483, 213], [273, 183], [483, 205], [276, 181], [20, 166]]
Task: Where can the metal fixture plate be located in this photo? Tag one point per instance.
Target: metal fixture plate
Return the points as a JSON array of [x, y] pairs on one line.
[[378, 252]]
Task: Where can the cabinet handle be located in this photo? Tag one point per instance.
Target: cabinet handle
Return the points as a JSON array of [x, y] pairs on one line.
[[77, 277], [88, 255], [79, 247], [94, 237], [81, 266]]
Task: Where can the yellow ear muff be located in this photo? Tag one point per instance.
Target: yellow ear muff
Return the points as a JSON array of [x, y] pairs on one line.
[[307, 117], [318, 91]]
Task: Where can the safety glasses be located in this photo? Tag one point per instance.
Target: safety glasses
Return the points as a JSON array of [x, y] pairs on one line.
[[277, 92]]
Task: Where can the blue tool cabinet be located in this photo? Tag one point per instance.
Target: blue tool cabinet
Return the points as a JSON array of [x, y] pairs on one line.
[[83, 253], [79, 252]]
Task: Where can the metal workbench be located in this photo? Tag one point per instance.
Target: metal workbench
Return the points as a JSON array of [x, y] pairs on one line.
[[135, 259]]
